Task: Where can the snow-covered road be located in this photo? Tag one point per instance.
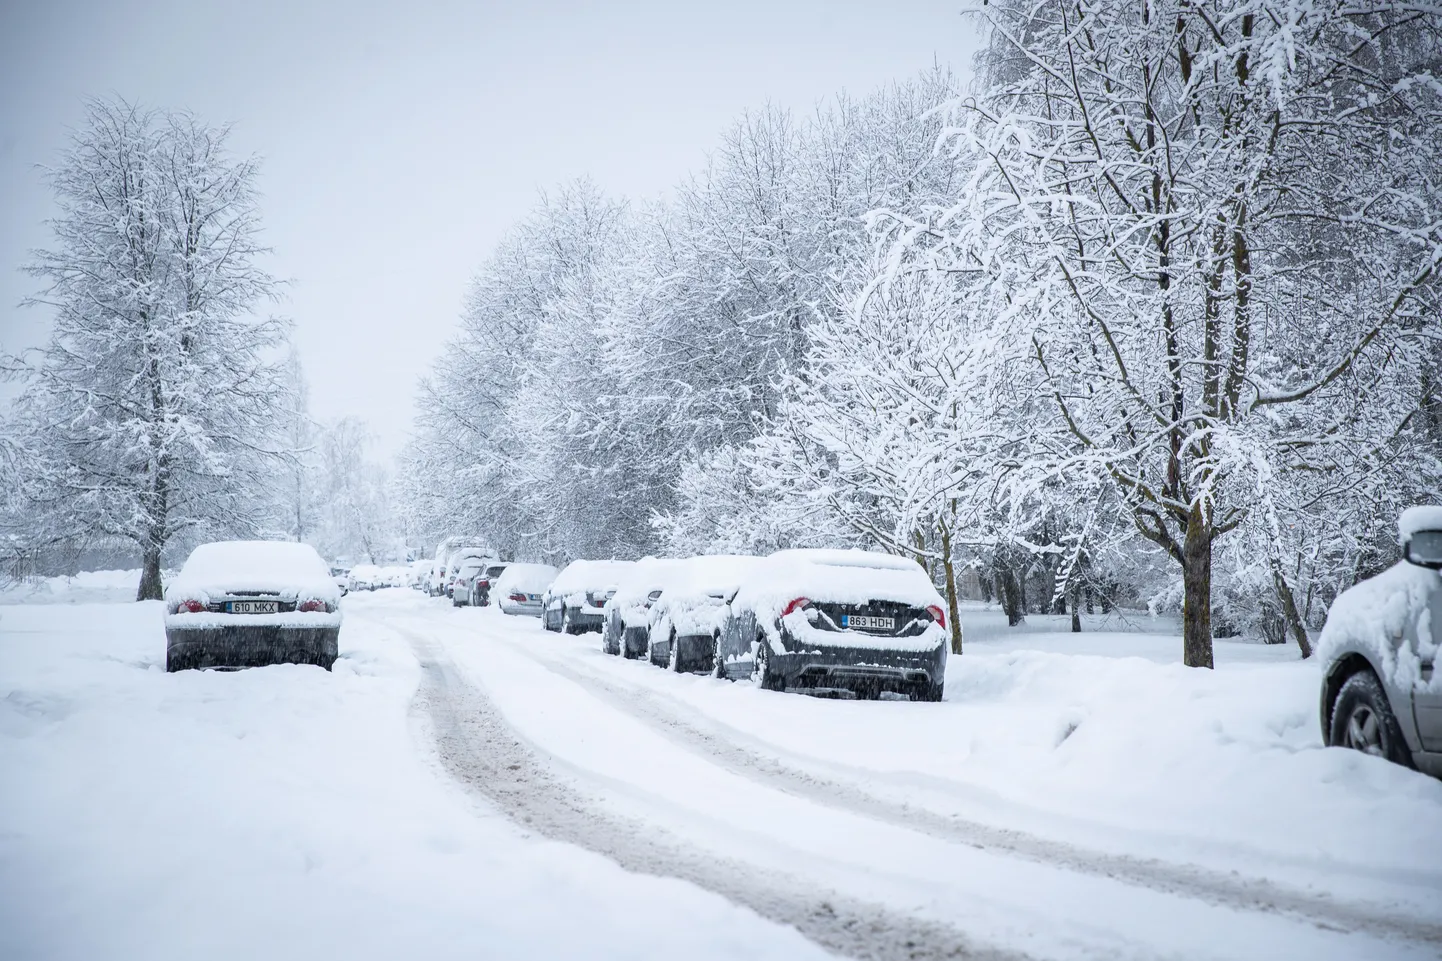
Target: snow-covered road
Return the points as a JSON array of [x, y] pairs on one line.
[[468, 785]]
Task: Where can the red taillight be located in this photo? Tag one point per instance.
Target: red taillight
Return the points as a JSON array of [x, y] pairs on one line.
[[519, 598], [937, 615], [796, 605], [483, 583], [189, 607], [312, 606]]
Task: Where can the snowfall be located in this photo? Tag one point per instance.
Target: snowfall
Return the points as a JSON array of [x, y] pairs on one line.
[[465, 785]]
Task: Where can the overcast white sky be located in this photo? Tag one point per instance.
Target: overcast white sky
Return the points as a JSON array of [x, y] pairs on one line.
[[402, 139]]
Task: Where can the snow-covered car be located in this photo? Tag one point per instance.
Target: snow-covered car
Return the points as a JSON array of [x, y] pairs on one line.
[[251, 603], [837, 621], [472, 586], [624, 628], [576, 599], [684, 624], [1381, 690], [341, 576], [364, 577], [446, 551], [468, 559], [520, 588]]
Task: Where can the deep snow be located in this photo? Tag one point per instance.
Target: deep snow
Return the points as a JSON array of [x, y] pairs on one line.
[[148, 815], [282, 812]]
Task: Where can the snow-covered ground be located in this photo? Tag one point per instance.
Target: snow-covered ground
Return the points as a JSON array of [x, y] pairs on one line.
[[87, 587], [1074, 796]]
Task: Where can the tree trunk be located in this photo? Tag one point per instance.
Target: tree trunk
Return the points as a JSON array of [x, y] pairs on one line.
[[1197, 592], [953, 620], [1011, 598], [1075, 612], [1289, 608], [1090, 602], [151, 589]]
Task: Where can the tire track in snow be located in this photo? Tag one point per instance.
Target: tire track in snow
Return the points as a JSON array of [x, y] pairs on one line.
[[1189, 881], [478, 748]]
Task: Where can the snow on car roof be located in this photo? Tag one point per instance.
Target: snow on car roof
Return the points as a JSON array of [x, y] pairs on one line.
[[283, 566], [590, 576], [1423, 517], [837, 576], [527, 578]]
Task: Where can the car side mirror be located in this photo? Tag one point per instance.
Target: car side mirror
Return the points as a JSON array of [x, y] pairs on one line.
[[1424, 548]]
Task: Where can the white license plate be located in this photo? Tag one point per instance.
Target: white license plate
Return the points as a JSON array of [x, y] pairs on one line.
[[865, 623], [533, 597], [253, 607]]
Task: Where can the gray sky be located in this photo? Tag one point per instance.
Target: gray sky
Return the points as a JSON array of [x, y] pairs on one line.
[[401, 140]]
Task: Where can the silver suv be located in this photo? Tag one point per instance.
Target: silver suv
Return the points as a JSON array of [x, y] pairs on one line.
[[1381, 692]]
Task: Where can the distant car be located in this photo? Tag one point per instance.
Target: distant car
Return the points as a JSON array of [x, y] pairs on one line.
[[519, 590], [837, 621], [250, 603], [462, 566], [364, 577], [481, 585], [341, 576], [624, 628], [472, 584], [1379, 649], [684, 624], [440, 578], [576, 598]]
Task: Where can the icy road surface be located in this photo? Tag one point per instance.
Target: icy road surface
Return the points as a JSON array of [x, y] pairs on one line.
[[466, 785]]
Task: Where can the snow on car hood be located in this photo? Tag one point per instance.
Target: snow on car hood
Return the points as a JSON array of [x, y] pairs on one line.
[[1425, 517], [294, 571], [1376, 615], [525, 578]]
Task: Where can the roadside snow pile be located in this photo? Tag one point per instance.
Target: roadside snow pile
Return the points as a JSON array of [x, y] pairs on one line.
[[283, 813], [1377, 613], [87, 587]]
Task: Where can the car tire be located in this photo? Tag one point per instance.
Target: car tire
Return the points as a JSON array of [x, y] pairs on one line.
[[566, 620], [931, 692], [718, 663], [1362, 719], [455, 603], [673, 655], [761, 674], [651, 652]]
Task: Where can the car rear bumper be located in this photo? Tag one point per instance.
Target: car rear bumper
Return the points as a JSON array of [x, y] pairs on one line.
[[249, 645], [528, 608], [862, 669]]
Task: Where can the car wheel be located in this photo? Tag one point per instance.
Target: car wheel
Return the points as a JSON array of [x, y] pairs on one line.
[[718, 663], [455, 603], [1362, 719], [761, 674], [931, 692], [567, 627], [673, 655], [651, 652]]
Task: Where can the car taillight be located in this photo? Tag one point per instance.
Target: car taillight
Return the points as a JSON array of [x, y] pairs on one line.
[[189, 607], [519, 598], [483, 583], [312, 606], [937, 615], [796, 605]]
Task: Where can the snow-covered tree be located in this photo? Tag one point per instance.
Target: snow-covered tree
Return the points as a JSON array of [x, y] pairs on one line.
[[150, 412], [1216, 227]]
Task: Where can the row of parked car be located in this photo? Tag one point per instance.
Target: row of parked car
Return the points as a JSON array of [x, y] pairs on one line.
[[837, 622]]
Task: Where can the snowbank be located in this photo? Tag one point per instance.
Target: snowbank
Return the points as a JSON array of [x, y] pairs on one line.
[[87, 587]]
